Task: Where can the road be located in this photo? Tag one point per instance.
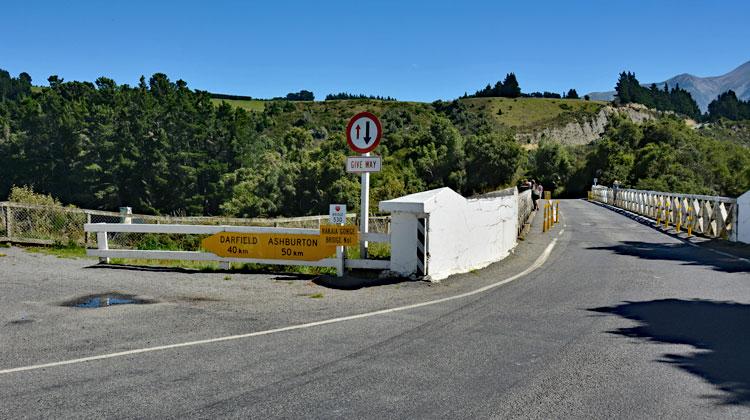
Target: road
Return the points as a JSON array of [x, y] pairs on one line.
[[620, 321]]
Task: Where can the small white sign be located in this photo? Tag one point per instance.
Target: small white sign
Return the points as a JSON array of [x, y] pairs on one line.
[[359, 164], [337, 214]]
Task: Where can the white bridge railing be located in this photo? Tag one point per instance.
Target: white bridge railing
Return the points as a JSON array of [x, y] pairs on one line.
[[710, 216], [104, 252]]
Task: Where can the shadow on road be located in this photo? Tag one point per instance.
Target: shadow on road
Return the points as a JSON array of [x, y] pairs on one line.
[[720, 332], [737, 249], [354, 280], [689, 255], [281, 275]]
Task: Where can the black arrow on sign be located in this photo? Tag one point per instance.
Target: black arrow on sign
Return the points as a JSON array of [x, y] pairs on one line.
[[367, 132]]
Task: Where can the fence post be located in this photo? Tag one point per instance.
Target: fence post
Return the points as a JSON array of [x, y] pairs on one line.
[[126, 215], [102, 244], [9, 223], [86, 234]]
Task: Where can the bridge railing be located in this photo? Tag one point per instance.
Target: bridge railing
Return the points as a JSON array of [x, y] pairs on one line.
[[710, 216], [525, 208]]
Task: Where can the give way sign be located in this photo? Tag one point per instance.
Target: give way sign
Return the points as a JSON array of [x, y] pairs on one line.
[[363, 132]]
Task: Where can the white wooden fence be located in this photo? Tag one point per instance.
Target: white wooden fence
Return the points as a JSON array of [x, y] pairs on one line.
[[46, 225], [711, 216], [103, 251]]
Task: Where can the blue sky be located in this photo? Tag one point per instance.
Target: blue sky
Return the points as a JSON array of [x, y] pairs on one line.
[[410, 50]]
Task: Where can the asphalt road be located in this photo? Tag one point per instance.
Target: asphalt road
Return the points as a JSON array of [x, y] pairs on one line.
[[621, 321]]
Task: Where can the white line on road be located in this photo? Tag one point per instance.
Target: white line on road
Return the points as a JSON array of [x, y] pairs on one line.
[[538, 263]]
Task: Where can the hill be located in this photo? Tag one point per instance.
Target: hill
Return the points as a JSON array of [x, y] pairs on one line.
[[531, 119], [163, 148], [702, 89]]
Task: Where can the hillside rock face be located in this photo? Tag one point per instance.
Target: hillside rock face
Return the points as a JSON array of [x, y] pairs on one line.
[[584, 132]]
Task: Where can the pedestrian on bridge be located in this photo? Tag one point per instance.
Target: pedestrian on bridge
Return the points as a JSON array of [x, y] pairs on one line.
[[536, 193]]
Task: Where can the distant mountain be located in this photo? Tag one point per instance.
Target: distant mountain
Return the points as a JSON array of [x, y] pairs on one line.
[[702, 89]]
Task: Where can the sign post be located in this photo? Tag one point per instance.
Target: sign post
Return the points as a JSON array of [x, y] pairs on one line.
[[363, 135]]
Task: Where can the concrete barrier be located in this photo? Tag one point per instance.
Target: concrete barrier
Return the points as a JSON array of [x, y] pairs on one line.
[[437, 233]]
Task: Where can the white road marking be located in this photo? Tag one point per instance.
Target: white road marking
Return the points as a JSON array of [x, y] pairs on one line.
[[538, 263], [561, 232]]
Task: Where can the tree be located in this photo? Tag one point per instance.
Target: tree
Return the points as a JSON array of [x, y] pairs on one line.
[[303, 95], [727, 105], [678, 100], [551, 165], [572, 94], [510, 87], [492, 161]]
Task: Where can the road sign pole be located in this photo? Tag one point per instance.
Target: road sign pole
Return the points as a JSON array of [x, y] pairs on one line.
[[363, 135], [364, 219]]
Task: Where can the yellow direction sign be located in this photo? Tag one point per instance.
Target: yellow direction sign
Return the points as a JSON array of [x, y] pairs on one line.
[[337, 235], [272, 246]]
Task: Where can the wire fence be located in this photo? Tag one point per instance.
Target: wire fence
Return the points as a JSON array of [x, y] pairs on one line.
[[50, 225]]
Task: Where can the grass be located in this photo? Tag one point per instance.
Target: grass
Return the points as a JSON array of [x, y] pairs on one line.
[[298, 269], [59, 251], [534, 113], [375, 250], [190, 265], [247, 105], [316, 295], [4, 245], [2, 255]]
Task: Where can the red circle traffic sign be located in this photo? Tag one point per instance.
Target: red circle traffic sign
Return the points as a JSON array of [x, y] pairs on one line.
[[363, 132]]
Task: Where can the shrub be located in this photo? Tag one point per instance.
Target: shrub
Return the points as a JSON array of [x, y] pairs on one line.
[[26, 195]]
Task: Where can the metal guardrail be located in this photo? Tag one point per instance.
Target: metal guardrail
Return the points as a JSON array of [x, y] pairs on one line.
[[710, 216]]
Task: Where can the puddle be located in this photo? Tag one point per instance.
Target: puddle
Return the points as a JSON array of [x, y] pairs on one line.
[[106, 299]]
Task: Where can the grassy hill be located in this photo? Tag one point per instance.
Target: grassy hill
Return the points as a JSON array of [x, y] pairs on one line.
[[470, 115], [247, 105], [534, 113]]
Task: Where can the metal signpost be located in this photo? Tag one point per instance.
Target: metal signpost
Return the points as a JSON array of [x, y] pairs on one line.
[[363, 135]]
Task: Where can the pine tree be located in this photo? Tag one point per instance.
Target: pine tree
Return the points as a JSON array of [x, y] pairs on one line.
[[511, 89]]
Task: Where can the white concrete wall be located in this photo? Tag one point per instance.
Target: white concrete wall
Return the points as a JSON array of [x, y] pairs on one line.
[[463, 234], [404, 243], [743, 218]]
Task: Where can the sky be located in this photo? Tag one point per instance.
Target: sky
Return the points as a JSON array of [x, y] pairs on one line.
[[411, 50]]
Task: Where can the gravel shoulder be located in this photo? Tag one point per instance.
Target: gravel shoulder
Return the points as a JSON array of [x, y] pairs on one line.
[[192, 305]]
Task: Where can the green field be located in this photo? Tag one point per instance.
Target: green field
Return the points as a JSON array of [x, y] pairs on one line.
[[522, 114], [247, 105], [533, 113]]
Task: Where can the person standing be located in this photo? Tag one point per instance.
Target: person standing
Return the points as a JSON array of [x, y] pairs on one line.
[[615, 188]]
